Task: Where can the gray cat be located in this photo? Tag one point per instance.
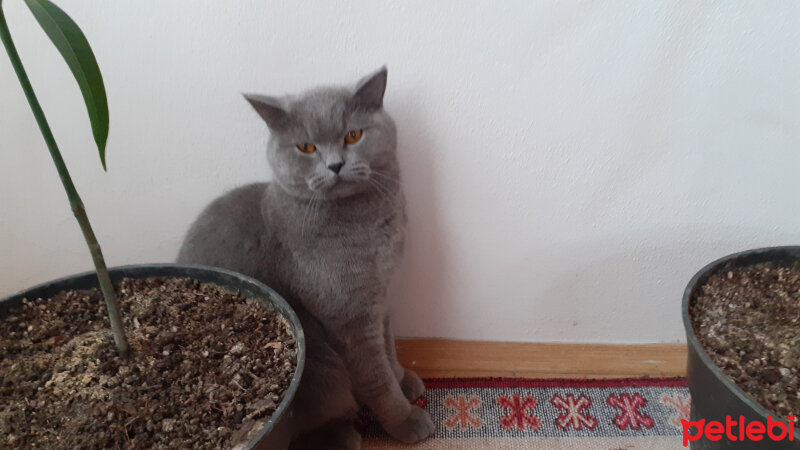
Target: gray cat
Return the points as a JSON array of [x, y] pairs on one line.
[[326, 234]]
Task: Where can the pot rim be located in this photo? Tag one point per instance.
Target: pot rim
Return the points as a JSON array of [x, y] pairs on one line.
[[691, 338], [281, 307]]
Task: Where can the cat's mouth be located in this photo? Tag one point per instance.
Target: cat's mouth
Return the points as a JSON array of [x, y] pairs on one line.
[[336, 182], [337, 186]]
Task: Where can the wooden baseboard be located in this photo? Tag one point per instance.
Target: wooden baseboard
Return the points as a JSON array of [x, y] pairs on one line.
[[440, 358]]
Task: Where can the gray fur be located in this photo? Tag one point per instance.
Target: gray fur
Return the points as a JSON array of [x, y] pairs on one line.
[[329, 244]]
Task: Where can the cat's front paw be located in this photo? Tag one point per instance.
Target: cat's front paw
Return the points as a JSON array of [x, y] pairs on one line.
[[412, 385], [416, 427]]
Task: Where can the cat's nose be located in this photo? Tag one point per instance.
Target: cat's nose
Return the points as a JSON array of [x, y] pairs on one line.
[[336, 167]]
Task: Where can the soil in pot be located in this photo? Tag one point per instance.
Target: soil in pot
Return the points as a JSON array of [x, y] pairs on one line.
[[748, 320], [207, 367]]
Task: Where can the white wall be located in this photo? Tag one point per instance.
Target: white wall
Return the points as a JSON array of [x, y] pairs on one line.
[[568, 165]]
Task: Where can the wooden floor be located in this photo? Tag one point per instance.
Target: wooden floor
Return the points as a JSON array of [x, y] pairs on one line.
[[439, 358]]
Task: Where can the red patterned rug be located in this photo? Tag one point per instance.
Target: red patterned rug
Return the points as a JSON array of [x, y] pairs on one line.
[[479, 413]]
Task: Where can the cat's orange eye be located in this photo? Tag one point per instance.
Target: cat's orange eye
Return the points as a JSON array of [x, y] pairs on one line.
[[307, 148], [353, 136]]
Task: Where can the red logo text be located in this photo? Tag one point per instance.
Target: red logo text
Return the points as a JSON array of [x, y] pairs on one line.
[[732, 430]]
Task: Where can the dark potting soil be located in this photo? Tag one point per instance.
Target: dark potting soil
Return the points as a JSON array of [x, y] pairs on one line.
[[207, 367], [748, 320]]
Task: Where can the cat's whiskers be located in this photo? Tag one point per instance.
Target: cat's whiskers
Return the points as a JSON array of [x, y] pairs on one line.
[[384, 192], [317, 208], [395, 180], [391, 185], [307, 213], [315, 212]]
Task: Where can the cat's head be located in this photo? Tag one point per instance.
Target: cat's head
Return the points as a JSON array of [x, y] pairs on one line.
[[331, 142]]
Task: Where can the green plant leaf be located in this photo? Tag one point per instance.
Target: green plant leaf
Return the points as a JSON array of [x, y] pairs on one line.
[[73, 46]]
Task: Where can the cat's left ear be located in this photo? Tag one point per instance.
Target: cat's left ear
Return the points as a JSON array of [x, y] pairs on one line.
[[369, 92]]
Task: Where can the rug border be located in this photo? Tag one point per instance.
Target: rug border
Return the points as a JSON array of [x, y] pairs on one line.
[[503, 382]]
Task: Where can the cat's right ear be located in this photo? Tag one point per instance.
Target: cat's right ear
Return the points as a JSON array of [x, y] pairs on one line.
[[271, 110]]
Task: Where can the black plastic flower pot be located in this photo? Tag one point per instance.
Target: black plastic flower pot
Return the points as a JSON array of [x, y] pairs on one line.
[[232, 281], [714, 395]]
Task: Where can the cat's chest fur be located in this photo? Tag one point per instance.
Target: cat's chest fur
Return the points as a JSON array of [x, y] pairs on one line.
[[344, 250]]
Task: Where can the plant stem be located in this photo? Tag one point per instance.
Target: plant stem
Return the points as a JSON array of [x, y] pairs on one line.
[[74, 199]]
